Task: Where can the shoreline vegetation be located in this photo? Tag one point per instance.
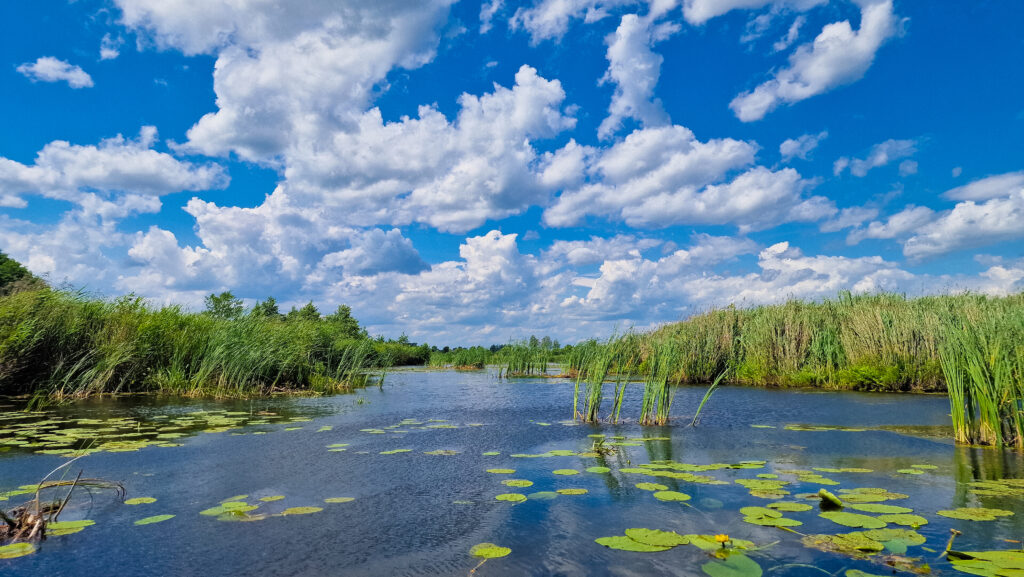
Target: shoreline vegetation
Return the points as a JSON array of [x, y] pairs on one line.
[[63, 345]]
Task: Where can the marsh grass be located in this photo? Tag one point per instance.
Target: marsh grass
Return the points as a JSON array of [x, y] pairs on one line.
[[57, 344], [971, 345], [520, 359]]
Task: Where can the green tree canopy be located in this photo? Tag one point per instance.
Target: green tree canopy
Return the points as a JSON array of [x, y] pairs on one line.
[[13, 275], [266, 309], [309, 312], [223, 306], [343, 319]]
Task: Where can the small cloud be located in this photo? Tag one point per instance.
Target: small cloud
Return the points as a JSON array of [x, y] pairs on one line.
[[50, 69], [880, 154], [801, 147], [160, 82], [957, 171], [487, 12], [908, 167], [110, 47], [531, 235]]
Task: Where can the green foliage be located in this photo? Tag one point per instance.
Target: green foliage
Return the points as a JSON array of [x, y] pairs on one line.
[[266, 309], [59, 344], [223, 306], [15, 277]]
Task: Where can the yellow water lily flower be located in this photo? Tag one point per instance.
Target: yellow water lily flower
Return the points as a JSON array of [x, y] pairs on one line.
[[723, 539]]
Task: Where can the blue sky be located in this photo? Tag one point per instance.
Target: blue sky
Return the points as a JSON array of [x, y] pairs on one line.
[[471, 172]]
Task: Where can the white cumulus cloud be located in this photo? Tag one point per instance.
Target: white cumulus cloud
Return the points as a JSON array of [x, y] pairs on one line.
[[50, 69]]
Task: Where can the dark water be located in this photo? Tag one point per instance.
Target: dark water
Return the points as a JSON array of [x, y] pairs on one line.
[[405, 519]]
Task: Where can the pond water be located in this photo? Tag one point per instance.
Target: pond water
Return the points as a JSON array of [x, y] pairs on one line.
[[416, 513]]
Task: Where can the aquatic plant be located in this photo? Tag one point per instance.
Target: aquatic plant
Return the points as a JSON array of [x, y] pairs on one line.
[[57, 344]]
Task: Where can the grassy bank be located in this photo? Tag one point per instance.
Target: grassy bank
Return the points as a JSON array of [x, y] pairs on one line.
[[56, 344]]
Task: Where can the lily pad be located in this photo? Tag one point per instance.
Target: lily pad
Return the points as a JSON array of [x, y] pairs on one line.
[[855, 544], [501, 471], [735, 565], [300, 510], [272, 498], [657, 538], [565, 472], [651, 487], [975, 513], [989, 563], [395, 451], [905, 519], [852, 519], [789, 506], [597, 469], [491, 453], [140, 501], [16, 550], [627, 544], [671, 496], [880, 508], [572, 491], [517, 483], [58, 528], [910, 471], [153, 519], [489, 551], [339, 499], [511, 497], [710, 543]]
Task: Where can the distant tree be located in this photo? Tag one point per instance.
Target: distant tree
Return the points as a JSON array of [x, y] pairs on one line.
[[555, 346], [346, 323], [403, 340], [266, 309], [308, 312], [545, 343], [223, 306], [15, 277], [446, 349]]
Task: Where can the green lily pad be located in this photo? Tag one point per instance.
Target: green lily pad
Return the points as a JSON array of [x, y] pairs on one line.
[[272, 498], [880, 508], [988, 563], [491, 453], [572, 491], [597, 469], [140, 501], [58, 528], [337, 445], [926, 467], [975, 513], [789, 506], [671, 496], [651, 487], [511, 497], [859, 573], [852, 519], [489, 551], [153, 519], [905, 519], [517, 483], [16, 550], [657, 538], [855, 544], [501, 471], [442, 452], [339, 499], [232, 507], [395, 451], [627, 544], [910, 471], [735, 565], [300, 511], [235, 498], [565, 472]]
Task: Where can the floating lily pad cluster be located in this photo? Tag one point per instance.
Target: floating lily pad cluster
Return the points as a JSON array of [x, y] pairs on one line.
[[989, 563], [860, 544], [48, 433]]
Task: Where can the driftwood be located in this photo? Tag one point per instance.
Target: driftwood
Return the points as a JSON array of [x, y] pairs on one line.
[[28, 521]]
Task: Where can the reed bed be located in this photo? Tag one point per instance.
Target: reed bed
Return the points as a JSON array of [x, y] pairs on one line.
[[971, 345], [520, 359], [56, 344]]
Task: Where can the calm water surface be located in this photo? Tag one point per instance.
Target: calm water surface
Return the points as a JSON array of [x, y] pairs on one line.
[[418, 514]]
